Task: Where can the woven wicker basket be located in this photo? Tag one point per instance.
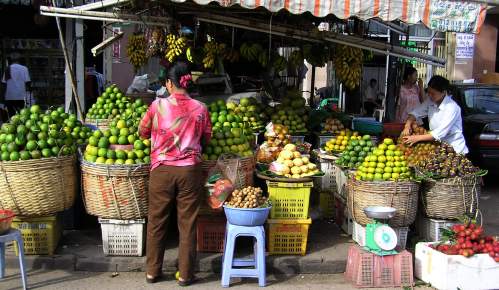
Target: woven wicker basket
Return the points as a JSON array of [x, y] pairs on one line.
[[245, 172], [38, 187], [101, 124], [401, 195], [451, 198], [115, 191]]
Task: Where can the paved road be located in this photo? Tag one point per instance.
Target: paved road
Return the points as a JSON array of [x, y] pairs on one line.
[[489, 205], [61, 280]]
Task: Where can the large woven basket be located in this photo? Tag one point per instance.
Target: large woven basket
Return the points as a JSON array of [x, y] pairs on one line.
[[451, 198], [245, 172], [101, 124], [38, 187], [401, 195], [115, 191]]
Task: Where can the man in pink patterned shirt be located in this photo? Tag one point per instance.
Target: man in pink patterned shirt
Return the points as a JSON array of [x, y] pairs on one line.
[[178, 126]]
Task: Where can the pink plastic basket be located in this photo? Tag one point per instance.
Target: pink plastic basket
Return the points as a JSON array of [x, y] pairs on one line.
[[365, 269]]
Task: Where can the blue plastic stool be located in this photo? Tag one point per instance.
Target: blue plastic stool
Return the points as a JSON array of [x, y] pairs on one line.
[[13, 235], [258, 261]]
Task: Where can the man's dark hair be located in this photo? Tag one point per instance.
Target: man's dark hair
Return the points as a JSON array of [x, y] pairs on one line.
[[439, 83]]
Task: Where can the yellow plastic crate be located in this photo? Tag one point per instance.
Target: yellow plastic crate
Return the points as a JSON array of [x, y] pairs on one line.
[[40, 235], [326, 204], [289, 200], [288, 237]]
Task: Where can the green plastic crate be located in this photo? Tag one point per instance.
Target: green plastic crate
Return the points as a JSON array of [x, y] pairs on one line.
[[289, 200]]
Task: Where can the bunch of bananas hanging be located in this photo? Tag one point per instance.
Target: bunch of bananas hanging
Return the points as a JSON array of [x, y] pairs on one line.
[[295, 59], [252, 52], [213, 51], [279, 63], [348, 65], [136, 50], [232, 56], [176, 46], [156, 42], [316, 55]]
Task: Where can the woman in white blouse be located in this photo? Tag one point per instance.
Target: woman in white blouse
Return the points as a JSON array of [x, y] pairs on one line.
[[444, 116]]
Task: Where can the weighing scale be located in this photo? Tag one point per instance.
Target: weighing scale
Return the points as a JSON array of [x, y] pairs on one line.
[[381, 239]]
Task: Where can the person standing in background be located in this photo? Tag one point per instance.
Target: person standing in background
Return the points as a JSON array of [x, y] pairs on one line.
[[17, 84], [411, 94]]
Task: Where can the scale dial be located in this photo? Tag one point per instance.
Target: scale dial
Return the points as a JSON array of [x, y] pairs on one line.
[[385, 237]]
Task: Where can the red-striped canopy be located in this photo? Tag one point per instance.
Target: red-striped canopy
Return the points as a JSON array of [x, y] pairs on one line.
[[442, 15]]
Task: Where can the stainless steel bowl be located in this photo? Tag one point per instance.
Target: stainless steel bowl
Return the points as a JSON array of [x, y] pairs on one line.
[[380, 212]]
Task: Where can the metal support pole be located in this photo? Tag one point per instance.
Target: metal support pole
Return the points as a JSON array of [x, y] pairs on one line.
[[80, 64], [69, 67], [312, 87]]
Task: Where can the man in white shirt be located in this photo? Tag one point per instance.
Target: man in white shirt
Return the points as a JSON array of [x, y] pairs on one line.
[[444, 115], [17, 84]]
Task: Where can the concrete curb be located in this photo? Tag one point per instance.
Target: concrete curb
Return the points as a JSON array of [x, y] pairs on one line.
[[82, 251]]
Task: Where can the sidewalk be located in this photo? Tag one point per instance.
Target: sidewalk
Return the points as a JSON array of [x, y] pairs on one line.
[[82, 251]]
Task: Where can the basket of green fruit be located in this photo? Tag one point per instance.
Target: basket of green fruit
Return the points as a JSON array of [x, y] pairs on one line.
[[115, 172], [38, 167], [383, 179]]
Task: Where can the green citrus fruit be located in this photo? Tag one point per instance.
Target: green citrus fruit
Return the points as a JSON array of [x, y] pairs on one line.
[[14, 156], [123, 140]]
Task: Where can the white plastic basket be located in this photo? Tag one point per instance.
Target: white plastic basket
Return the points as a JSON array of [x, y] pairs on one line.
[[328, 181], [297, 139], [430, 230], [444, 271], [123, 237], [359, 235], [341, 178], [323, 139]]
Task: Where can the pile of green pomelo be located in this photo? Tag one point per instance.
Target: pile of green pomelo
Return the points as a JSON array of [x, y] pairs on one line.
[[34, 134]]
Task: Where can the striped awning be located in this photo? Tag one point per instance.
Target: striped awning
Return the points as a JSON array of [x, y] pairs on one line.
[[441, 15]]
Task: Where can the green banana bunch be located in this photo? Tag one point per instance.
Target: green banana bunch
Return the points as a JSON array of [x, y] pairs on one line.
[[263, 59], [232, 56], [279, 63], [137, 50], [316, 55], [251, 52], [296, 58]]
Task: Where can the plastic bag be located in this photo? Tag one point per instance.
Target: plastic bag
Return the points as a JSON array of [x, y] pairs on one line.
[[227, 167], [140, 84], [219, 193], [267, 154]]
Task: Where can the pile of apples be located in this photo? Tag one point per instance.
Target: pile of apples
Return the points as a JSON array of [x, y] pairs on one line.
[[468, 240]]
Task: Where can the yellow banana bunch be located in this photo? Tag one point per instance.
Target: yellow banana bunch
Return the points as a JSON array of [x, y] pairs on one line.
[[188, 54], [348, 65], [213, 51], [175, 47], [137, 50]]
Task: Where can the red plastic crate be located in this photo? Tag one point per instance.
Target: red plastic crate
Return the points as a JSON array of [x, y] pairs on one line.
[[365, 269], [211, 234], [392, 129]]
